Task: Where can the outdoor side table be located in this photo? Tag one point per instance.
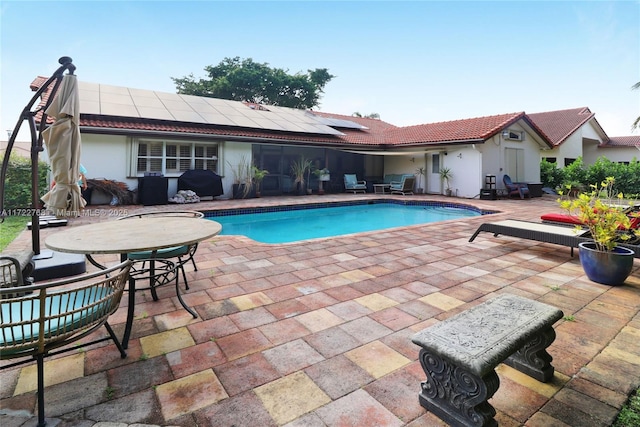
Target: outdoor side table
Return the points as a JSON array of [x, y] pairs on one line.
[[381, 188]]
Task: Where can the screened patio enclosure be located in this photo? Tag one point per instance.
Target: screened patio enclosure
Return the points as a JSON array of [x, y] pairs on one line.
[[278, 160]]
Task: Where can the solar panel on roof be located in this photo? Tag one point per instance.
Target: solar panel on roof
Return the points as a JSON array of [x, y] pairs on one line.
[[139, 103], [331, 121]]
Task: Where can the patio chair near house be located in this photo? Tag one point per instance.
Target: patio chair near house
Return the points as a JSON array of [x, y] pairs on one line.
[[351, 183], [404, 186], [515, 188], [53, 315]]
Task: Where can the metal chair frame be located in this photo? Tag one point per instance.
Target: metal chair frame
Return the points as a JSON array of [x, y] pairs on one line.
[[53, 315], [183, 258]]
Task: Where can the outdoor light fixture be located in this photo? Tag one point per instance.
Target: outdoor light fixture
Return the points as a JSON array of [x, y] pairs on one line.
[[505, 134]]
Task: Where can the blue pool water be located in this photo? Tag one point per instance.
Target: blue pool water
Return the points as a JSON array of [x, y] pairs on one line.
[[303, 224]]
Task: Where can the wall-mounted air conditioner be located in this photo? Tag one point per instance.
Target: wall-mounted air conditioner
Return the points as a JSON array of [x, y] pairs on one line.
[[513, 135]]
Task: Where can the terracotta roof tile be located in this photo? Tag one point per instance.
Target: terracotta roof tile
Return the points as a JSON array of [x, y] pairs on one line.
[[559, 125], [474, 129], [622, 141]]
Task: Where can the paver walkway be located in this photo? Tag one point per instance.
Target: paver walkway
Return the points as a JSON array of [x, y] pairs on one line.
[[318, 333]]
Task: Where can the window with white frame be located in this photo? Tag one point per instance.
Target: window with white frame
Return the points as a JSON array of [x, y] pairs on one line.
[[172, 158]]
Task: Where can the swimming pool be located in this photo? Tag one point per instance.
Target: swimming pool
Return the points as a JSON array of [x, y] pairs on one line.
[[286, 224]]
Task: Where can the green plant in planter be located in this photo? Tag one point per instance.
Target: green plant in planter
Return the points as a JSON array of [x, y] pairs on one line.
[[419, 174], [445, 176], [602, 212], [258, 176], [603, 259], [322, 175], [298, 169], [242, 178]]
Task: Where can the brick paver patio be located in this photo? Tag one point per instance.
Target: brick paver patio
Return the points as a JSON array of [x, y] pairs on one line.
[[318, 333]]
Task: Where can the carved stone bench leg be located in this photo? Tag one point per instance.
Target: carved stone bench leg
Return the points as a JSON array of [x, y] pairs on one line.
[[456, 395], [533, 359]]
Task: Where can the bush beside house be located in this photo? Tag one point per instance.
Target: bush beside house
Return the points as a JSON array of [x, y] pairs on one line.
[[18, 181], [627, 176]]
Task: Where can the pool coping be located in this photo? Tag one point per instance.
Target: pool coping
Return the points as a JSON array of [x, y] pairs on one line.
[[331, 204]]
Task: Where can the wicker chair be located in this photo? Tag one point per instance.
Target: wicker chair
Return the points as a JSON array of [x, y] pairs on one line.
[[53, 315]]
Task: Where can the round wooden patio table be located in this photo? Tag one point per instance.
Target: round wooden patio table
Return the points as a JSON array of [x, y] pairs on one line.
[[134, 234]]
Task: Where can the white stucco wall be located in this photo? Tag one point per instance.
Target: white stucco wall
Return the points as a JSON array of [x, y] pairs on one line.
[[494, 158], [617, 154], [465, 164], [105, 156], [232, 154]]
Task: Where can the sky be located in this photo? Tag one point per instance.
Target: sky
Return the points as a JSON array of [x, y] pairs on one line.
[[411, 62]]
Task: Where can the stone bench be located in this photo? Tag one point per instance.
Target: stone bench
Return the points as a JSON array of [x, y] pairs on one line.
[[459, 355]]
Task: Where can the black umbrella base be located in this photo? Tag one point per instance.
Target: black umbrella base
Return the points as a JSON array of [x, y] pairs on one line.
[[49, 221], [54, 265]]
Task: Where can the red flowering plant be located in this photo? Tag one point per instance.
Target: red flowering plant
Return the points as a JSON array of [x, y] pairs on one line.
[[604, 213]]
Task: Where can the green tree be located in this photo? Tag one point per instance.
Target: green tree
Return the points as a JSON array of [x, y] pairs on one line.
[[248, 81]]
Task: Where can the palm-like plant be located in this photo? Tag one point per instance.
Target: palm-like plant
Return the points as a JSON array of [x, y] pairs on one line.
[[298, 170]]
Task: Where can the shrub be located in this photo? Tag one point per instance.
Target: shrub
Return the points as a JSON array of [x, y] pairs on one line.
[[581, 178], [550, 175], [17, 186]]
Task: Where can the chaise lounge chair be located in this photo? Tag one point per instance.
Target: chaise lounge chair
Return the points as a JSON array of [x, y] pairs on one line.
[[515, 188], [546, 233], [351, 183], [404, 187], [566, 219]]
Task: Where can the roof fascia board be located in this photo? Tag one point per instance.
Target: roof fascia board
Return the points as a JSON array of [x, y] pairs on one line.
[[431, 144], [190, 135]]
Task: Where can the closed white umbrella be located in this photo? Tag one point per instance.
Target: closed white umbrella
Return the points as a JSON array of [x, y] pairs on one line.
[[63, 143]]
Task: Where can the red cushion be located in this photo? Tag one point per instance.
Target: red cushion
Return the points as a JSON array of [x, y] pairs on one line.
[[556, 217]]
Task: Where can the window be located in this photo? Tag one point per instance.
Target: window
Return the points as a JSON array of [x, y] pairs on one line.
[[568, 161], [550, 159], [435, 163], [172, 158]]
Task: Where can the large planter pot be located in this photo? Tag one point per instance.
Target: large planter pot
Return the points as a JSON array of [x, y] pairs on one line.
[[607, 268]]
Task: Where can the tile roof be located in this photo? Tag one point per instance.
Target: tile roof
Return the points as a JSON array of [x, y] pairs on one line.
[[622, 141], [102, 124], [561, 124], [378, 134], [475, 129]]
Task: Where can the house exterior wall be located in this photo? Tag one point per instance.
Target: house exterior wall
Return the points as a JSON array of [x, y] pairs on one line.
[[233, 153], [571, 148], [466, 166], [495, 158], [106, 157], [615, 154], [403, 164]]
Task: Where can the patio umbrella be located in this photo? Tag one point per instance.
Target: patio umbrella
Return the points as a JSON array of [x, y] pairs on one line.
[[63, 143]]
